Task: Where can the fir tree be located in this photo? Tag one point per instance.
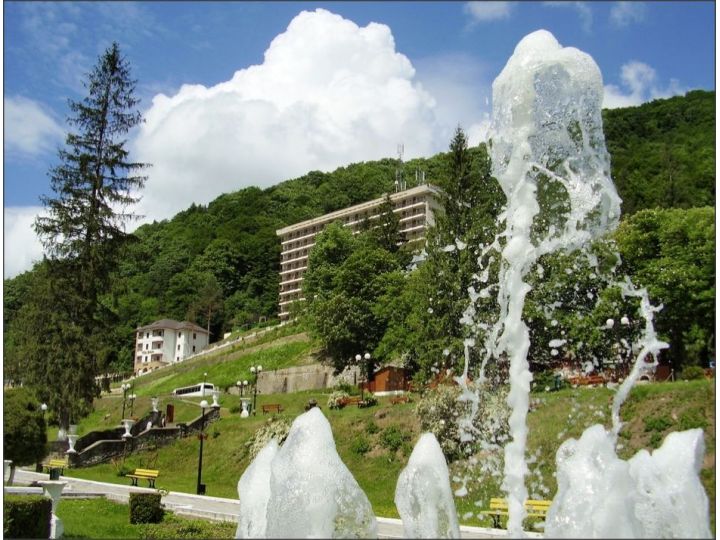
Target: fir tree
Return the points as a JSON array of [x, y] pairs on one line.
[[63, 336]]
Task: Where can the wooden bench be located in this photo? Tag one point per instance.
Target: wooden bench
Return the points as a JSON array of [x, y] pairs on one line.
[[56, 464], [268, 407], [589, 380], [148, 474], [399, 399], [499, 507], [353, 400]]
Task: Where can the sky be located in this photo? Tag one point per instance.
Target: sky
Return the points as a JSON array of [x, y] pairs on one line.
[[236, 94]]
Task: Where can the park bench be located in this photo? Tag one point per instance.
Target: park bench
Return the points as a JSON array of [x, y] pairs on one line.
[[499, 507], [148, 474], [353, 400], [399, 399], [589, 380], [268, 407], [56, 464]]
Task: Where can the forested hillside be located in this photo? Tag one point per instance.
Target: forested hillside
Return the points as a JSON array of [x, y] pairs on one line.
[[217, 264]]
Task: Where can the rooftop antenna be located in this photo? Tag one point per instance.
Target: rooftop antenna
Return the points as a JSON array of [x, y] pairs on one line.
[[399, 181]]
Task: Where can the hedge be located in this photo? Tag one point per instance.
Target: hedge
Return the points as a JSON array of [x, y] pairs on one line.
[[26, 516], [146, 508]]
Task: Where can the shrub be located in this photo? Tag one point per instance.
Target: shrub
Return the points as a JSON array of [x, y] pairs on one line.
[[26, 516], [370, 401], [335, 401], [657, 423], [393, 438], [548, 381], [692, 373], [274, 428], [344, 387], [146, 508], [441, 413], [24, 433], [235, 409], [360, 445], [177, 527], [371, 427]]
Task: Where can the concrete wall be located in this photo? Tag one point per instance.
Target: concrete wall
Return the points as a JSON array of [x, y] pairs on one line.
[[310, 377]]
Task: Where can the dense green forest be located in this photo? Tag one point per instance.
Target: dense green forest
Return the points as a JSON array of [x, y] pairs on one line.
[[218, 264]]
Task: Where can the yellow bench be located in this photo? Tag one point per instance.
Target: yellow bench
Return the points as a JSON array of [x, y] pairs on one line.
[[148, 474], [499, 507], [56, 464]]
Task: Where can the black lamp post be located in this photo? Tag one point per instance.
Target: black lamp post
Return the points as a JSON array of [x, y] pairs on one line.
[[125, 387], [200, 486], [256, 372], [364, 371], [132, 397]]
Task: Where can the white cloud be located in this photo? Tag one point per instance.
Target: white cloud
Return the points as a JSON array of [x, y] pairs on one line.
[[641, 85], [327, 93], [488, 11], [21, 245], [29, 129], [625, 13], [581, 8]]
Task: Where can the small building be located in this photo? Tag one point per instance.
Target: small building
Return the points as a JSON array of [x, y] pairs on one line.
[[165, 342], [388, 380]]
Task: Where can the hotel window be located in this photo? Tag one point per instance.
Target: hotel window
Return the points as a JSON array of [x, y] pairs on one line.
[[194, 337]]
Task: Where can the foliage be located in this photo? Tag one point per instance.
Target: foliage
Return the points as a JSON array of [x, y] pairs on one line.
[[360, 445], [425, 310], [692, 373], [275, 428], [175, 527], [83, 233], [26, 516], [337, 399], [672, 254], [548, 381], [393, 438], [663, 152], [146, 508], [24, 431], [442, 413]]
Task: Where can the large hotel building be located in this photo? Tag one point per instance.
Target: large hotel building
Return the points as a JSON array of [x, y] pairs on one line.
[[415, 207]]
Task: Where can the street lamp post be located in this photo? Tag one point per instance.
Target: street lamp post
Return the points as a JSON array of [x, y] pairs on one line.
[[255, 370], [364, 371], [125, 387], [200, 486], [132, 397]]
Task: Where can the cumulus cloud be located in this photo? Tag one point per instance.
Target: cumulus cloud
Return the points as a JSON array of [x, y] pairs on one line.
[[581, 8], [640, 84], [21, 245], [625, 13], [327, 93], [29, 129], [487, 11]]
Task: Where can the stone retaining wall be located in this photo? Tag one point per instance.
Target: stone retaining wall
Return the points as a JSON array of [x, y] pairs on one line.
[[309, 377]]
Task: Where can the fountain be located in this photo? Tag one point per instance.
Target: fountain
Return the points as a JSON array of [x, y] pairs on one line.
[[546, 129]]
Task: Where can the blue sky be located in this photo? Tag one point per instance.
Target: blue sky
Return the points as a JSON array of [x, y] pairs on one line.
[[239, 94]]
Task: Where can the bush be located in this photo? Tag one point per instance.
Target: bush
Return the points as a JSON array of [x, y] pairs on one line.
[[24, 433], [370, 401], [235, 409], [177, 527], [393, 438], [26, 516], [692, 373], [548, 381], [360, 445], [146, 508], [345, 387], [372, 427], [274, 428], [335, 401]]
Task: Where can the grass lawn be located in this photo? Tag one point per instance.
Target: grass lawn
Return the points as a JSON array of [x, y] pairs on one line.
[[100, 518], [376, 442]]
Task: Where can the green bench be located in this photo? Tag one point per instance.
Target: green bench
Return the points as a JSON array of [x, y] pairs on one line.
[[148, 474]]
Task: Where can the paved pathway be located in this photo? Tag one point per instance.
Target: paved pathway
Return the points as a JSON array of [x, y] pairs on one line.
[[218, 508]]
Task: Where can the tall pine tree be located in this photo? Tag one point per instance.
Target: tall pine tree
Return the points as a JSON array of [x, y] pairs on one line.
[[64, 342]]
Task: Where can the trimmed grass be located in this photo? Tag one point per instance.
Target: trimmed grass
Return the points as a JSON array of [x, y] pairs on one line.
[[375, 443], [101, 518]]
